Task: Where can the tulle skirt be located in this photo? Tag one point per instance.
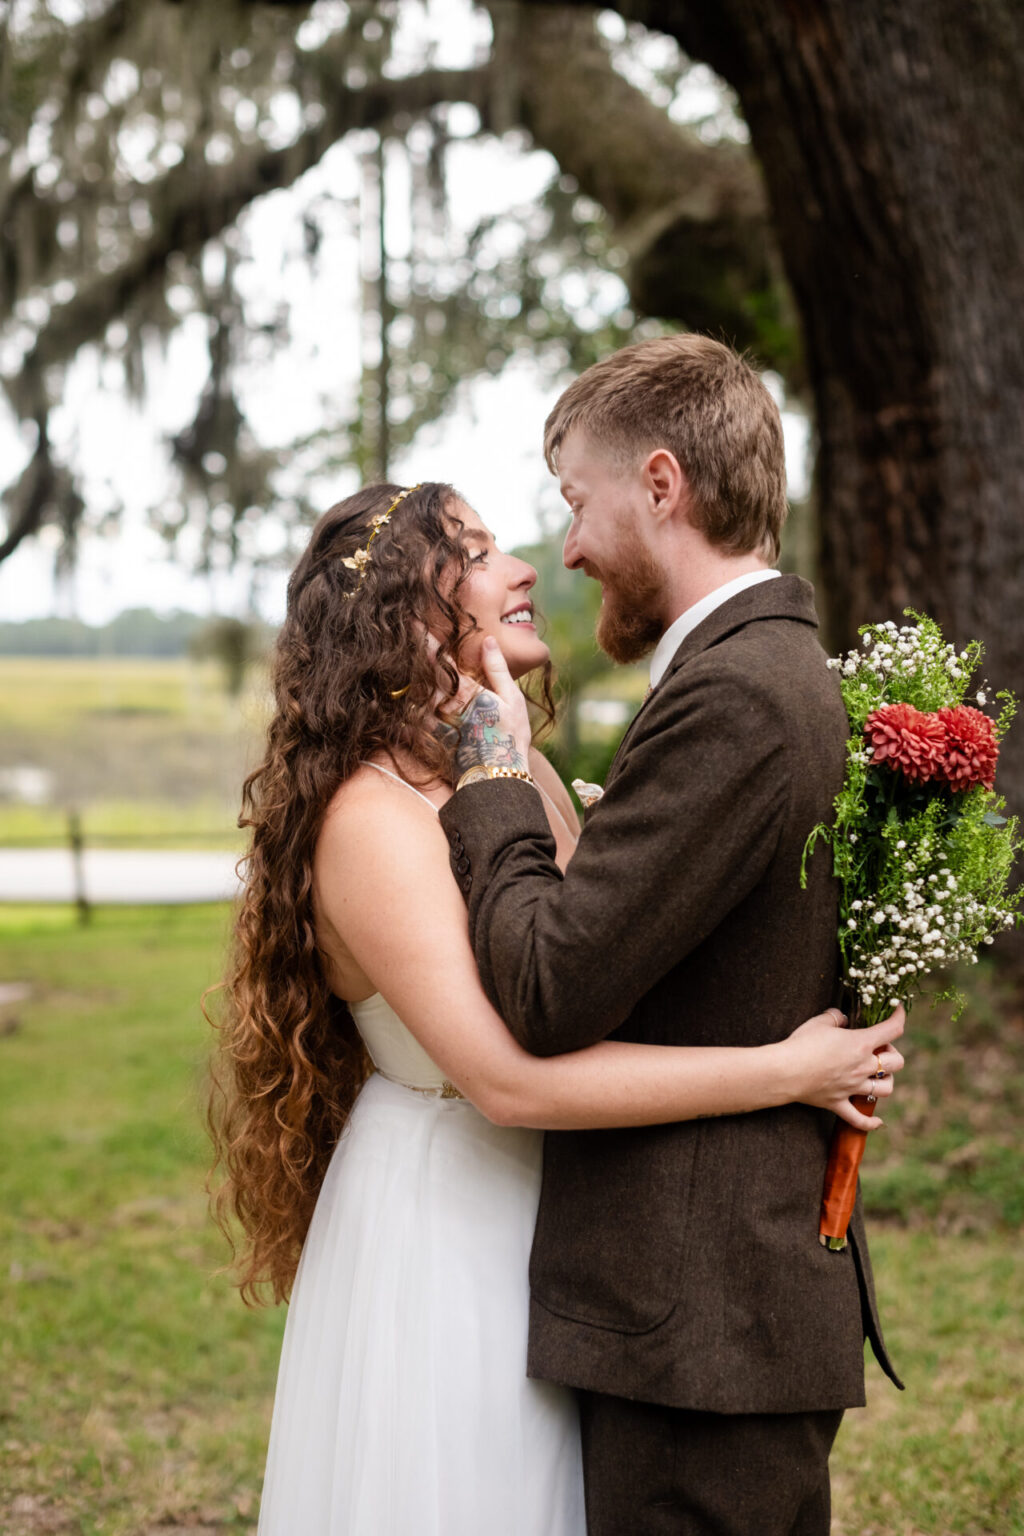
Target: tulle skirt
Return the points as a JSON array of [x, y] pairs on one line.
[[403, 1407]]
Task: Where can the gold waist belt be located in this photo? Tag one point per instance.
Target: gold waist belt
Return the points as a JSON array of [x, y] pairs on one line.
[[443, 1090]]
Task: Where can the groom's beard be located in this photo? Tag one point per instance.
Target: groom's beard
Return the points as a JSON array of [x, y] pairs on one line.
[[630, 622]]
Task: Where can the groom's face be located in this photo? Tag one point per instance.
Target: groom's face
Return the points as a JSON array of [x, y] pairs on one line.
[[606, 541]]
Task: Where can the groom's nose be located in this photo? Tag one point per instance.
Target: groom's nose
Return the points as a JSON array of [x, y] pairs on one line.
[[571, 557]]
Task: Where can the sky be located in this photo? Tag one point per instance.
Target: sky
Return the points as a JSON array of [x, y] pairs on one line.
[[489, 444]]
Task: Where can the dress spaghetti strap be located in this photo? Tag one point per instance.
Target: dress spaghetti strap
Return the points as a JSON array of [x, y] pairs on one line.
[[573, 831], [388, 774]]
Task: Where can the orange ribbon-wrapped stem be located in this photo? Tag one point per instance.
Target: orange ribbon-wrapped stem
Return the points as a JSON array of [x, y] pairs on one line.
[[840, 1192]]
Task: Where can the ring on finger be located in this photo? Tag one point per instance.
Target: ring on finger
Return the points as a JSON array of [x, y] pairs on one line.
[[881, 1072], [871, 1098]]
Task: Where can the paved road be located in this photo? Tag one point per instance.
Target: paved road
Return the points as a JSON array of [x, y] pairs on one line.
[[117, 876]]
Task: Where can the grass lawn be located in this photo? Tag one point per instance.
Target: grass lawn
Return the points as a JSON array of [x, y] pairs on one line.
[[135, 1388]]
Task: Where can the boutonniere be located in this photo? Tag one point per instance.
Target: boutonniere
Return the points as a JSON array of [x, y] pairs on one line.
[[587, 794]]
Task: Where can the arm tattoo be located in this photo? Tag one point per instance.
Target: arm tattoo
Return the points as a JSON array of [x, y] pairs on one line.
[[484, 739]]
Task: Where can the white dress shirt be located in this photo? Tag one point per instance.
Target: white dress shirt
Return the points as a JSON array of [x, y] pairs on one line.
[[687, 621]]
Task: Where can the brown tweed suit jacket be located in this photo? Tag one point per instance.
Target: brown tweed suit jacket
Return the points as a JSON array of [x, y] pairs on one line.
[[680, 1264]]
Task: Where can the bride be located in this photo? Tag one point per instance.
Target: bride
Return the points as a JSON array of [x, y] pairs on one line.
[[372, 1113]]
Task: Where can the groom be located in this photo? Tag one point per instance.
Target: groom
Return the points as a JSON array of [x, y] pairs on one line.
[[677, 1279]]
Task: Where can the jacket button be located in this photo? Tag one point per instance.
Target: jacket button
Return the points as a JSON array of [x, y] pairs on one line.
[[467, 882], [462, 866]]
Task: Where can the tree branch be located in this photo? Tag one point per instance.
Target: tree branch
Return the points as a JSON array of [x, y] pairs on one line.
[[196, 202], [29, 498], [691, 216]]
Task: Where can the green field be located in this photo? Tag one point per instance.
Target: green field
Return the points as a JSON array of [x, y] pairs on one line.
[[135, 1388], [148, 751]]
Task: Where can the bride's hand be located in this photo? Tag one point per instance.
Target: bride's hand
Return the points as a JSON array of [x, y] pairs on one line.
[[831, 1063]]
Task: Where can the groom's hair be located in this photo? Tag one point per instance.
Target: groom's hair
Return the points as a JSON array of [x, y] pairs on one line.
[[706, 405]]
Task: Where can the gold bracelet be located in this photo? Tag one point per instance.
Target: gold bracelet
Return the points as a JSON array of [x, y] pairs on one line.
[[481, 771]]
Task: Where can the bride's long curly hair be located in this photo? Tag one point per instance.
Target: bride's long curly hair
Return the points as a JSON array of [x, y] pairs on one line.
[[352, 679]]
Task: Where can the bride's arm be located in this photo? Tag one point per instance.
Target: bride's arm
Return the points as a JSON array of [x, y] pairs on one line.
[[556, 793], [382, 882]]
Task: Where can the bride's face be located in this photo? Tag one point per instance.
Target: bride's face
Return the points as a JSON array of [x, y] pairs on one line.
[[496, 592]]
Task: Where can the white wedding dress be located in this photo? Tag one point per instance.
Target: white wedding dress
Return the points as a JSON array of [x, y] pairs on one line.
[[403, 1406]]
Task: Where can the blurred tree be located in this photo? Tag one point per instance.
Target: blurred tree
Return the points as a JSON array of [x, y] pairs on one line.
[[134, 632], [135, 139], [235, 644]]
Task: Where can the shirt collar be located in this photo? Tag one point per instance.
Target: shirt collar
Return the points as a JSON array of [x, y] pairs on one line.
[[687, 622]]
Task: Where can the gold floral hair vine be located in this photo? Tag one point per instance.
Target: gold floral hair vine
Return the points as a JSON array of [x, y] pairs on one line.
[[361, 559]]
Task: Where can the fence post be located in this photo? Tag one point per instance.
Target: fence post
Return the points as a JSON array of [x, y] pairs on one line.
[[77, 841]]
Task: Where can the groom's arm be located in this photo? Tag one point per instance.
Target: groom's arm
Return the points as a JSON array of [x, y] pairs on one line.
[[683, 833]]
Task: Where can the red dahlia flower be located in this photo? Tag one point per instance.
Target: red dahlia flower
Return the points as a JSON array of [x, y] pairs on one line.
[[906, 739], [971, 748]]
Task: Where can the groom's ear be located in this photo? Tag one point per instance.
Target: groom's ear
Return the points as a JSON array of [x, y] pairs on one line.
[[665, 485]]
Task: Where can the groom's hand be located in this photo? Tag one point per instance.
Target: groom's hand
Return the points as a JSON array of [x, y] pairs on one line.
[[494, 728]]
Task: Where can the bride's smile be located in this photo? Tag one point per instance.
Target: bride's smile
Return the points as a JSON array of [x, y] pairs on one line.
[[495, 593]]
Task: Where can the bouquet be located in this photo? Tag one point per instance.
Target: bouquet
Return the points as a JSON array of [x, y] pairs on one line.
[[920, 843]]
